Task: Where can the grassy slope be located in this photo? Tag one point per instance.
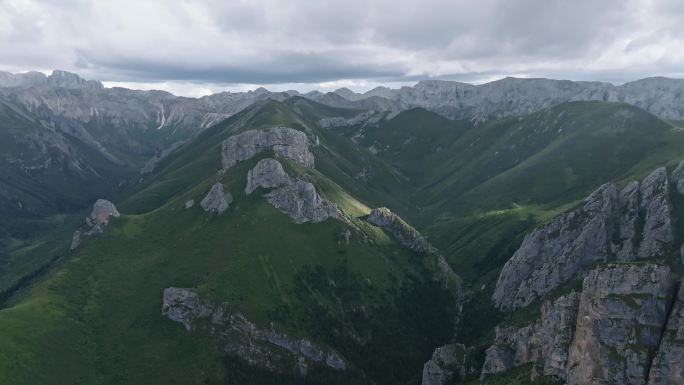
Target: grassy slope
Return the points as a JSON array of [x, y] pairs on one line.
[[96, 317]]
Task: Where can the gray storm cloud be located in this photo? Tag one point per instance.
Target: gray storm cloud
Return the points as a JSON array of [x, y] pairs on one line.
[[298, 41]]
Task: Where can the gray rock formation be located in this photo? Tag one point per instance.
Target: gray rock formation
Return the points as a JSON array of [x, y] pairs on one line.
[[301, 202], [545, 342], [511, 96], [447, 362], [633, 223], [363, 119], [677, 177], [190, 203], [402, 231], [95, 223], [285, 142], [217, 200], [622, 311], [655, 201], [668, 364], [268, 173], [267, 348], [553, 253]]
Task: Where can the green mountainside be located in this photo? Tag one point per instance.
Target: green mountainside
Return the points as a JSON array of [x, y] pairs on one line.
[[94, 315]]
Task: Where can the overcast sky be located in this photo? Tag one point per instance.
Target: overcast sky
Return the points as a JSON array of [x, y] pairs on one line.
[[198, 47]]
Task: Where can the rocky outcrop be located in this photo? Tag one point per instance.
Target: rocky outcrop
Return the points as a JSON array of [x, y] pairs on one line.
[[677, 177], [268, 173], [363, 119], [266, 348], [545, 342], [301, 202], [634, 223], [655, 202], [95, 223], [553, 253], [402, 231], [217, 200], [622, 311], [285, 142], [668, 364], [447, 362]]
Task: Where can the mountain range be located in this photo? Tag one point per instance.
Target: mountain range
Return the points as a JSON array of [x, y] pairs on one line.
[[515, 232]]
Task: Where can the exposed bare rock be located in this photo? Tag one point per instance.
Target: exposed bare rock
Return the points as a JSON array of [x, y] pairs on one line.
[[285, 142], [635, 223], [95, 223], [556, 251], [301, 202], [447, 361], [677, 177], [217, 200], [268, 173], [621, 314], [545, 342], [190, 203], [405, 234], [363, 119], [655, 201], [266, 348], [668, 364]]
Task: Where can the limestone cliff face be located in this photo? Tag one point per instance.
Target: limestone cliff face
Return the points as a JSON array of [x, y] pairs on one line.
[[621, 315], [267, 348], [285, 142], [447, 362], [620, 330], [633, 223], [95, 223], [668, 364], [545, 342]]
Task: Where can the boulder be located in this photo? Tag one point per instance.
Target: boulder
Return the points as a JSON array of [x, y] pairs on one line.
[[217, 200]]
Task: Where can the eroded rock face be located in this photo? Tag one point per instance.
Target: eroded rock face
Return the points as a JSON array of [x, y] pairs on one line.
[[655, 201], [268, 173], [621, 314], [217, 200], [678, 177], [446, 362], [668, 364], [285, 142], [545, 342], [301, 202], [553, 253], [95, 223], [267, 348], [634, 223], [405, 234]]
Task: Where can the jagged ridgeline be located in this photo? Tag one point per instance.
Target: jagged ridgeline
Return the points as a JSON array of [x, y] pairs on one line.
[[265, 238]]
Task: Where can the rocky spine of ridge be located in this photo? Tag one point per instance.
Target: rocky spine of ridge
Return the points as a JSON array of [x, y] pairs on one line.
[[267, 173], [301, 202], [266, 348], [285, 142], [630, 224], [610, 333], [96, 222]]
